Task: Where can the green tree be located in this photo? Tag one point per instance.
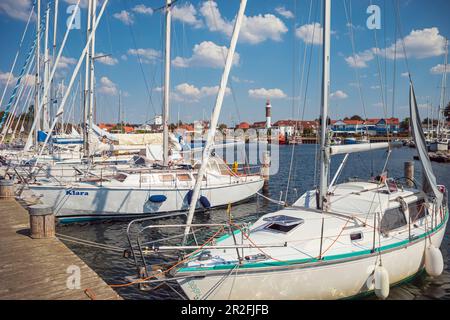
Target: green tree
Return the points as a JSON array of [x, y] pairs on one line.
[[222, 127], [356, 117], [404, 125]]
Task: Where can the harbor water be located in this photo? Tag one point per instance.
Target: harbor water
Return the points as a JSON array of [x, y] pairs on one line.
[[113, 267]]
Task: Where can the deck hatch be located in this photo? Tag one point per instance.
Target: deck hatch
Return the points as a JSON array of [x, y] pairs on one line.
[[282, 223]]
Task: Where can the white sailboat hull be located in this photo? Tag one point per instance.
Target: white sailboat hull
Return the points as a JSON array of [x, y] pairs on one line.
[[439, 146], [115, 201], [329, 281]]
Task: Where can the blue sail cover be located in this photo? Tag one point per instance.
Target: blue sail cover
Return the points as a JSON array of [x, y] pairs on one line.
[[41, 136], [419, 139]]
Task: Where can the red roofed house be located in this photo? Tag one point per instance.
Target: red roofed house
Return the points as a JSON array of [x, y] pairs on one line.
[[243, 126]]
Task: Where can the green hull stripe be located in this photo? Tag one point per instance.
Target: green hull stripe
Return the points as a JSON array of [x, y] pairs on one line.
[[309, 260]]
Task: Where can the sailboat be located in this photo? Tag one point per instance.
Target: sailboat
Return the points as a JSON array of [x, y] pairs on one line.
[[339, 241], [161, 188], [442, 141]]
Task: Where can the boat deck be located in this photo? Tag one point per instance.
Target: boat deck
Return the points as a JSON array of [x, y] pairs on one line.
[[32, 269]]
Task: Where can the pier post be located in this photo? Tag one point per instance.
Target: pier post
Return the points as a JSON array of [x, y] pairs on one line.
[[42, 221], [265, 171], [409, 173], [6, 189], [265, 168]]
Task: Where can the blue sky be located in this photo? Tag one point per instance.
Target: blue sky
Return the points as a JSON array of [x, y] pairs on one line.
[[269, 63]]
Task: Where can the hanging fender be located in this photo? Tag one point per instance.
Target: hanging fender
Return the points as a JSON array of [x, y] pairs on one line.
[[381, 277], [189, 197], [157, 198], [205, 202], [434, 263]]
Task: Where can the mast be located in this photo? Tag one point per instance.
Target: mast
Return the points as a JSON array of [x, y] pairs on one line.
[[119, 122], [37, 77], [444, 84], [324, 145], [46, 97], [215, 117], [166, 85], [87, 84], [91, 75], [53, 93]]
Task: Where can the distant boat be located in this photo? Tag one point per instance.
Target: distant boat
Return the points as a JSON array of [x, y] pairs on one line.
[[352, 140]]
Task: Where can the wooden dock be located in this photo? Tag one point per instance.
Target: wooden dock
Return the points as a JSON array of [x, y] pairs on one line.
[[41, 269]]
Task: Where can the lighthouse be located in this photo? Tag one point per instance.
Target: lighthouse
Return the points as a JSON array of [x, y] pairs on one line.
[[268, 115]]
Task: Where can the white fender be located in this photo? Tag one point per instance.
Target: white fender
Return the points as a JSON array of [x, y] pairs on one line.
[[381, 282], [434, 263]]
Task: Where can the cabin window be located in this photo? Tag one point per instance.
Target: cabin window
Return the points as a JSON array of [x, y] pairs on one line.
[[183, 177], [417, 210], [282, 223], [166, 177], [356, 236], [392, 219]]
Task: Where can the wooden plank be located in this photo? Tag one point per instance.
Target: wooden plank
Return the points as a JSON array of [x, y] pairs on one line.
[[37, 268]]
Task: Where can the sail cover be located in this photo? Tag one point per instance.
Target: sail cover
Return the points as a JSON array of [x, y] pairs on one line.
[[419, 139]]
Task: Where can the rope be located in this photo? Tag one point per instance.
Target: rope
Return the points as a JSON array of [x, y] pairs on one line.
[[172, 267], [281, 203], [89, 243]]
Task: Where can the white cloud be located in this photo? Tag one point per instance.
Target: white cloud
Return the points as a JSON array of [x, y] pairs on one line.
[[338, 95], [142, 9], [106, 59], [310, 33], [283, 12], [440, 69], [255, 29], [4, 76], [147, 55], [66, 62], [189, 92], [124, 16], [206, 54], [263, 93], [360, 59], [107, 87], [212, 91], [17, 9], [419, 44], [239, 80], [186, 13]]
